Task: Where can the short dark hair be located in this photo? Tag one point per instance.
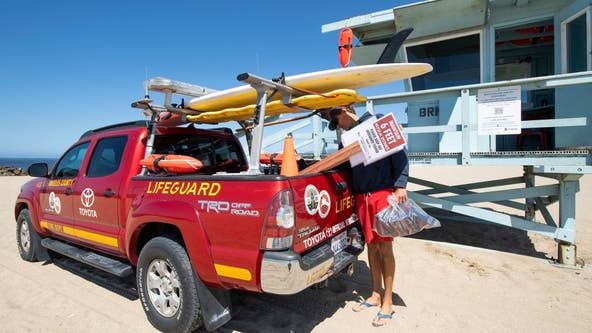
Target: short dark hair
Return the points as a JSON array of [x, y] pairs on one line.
[[331, 113]]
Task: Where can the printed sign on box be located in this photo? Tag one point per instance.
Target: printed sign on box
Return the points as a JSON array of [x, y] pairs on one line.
[[378, 138]]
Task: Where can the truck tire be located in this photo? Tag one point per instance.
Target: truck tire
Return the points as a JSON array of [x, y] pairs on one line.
[[27, 239], [167, 286]]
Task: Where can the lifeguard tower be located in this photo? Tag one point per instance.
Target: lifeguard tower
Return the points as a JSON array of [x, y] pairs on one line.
[[487, 54]]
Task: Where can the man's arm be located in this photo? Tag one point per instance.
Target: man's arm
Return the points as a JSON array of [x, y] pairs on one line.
[[400, 164]]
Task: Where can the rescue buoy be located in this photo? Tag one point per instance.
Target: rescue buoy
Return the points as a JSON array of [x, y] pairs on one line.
[[171, 119], [345, 45], [536, 30], [273, 158], [171, 163], [532, 41]]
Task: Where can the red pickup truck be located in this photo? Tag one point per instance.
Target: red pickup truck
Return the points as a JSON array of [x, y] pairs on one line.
[[184, 235]]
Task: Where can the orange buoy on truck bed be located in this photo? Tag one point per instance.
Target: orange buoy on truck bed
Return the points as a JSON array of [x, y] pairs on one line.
[[344, 48], [273, 158], [171, 163]]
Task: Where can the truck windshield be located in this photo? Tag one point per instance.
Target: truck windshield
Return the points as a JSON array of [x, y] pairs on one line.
[[215, 153]]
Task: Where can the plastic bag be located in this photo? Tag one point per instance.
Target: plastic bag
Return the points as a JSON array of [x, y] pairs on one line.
[[402, 219]]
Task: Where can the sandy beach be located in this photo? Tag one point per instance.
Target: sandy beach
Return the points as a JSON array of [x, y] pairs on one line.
[[462, 277]]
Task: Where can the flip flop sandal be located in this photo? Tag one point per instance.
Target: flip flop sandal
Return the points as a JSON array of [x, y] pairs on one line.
[[361, 306], [380, 316]]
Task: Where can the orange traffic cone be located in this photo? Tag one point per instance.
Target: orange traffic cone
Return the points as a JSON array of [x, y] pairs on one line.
[[289, 165]]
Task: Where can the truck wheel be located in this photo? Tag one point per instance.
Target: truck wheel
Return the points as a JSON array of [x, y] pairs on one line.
[[27, 239], [167, 286]]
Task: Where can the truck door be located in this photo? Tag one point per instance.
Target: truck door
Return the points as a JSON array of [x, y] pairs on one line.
[[56, 197], [97, 193]]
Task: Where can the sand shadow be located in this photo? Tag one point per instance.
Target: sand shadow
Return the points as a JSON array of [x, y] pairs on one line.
[[256, 312], [463, 230], [125, 287], [302, 312]]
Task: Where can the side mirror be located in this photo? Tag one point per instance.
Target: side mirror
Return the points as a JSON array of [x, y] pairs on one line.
[[38, 170]]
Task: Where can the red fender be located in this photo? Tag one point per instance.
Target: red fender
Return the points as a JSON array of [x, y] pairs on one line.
[[186, 218]]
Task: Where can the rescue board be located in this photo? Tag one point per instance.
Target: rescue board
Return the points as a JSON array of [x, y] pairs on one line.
[[319, 82], [307, 102], [171, 163]]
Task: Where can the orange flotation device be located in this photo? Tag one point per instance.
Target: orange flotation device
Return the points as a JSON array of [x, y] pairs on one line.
[[171, 163], [345, 45], [171, 119], [274, 158]]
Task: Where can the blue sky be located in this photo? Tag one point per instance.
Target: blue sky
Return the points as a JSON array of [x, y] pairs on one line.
[[70, 66]]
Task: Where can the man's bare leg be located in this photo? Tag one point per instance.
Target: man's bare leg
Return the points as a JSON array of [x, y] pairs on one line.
[[387, 266], [374, 262]]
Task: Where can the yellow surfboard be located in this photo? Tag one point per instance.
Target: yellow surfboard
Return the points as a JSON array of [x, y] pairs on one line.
[[319, 82], [310, 102]]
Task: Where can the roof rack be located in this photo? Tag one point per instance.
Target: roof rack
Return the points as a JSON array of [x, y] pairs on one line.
[[130, 124], [168, 86]]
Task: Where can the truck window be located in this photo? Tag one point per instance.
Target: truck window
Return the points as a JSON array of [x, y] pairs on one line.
[[106, 156], [215, 153], [70, 162]]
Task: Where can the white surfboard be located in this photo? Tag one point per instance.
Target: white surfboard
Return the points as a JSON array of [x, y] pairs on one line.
[[320, 82]]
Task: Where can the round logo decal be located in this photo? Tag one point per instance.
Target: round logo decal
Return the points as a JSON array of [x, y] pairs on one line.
[[87, 197], [55, 203], [311, 199], [324, 204]]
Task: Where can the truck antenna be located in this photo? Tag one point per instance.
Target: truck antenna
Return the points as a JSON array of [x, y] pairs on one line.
[[146, 96]]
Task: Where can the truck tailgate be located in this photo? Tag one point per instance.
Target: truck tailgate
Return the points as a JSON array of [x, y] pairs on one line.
[[324, 206]]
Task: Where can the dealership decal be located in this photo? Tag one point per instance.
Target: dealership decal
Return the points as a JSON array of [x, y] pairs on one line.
[[305, 231], [325, 234]]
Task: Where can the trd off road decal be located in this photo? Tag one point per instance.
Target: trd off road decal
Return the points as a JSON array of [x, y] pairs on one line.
[[234, 208]]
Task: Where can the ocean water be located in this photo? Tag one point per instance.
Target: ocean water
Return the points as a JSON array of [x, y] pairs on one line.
[[24, 162]]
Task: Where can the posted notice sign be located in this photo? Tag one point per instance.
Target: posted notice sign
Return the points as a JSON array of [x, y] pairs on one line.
[[498, 111], [378, 138]]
